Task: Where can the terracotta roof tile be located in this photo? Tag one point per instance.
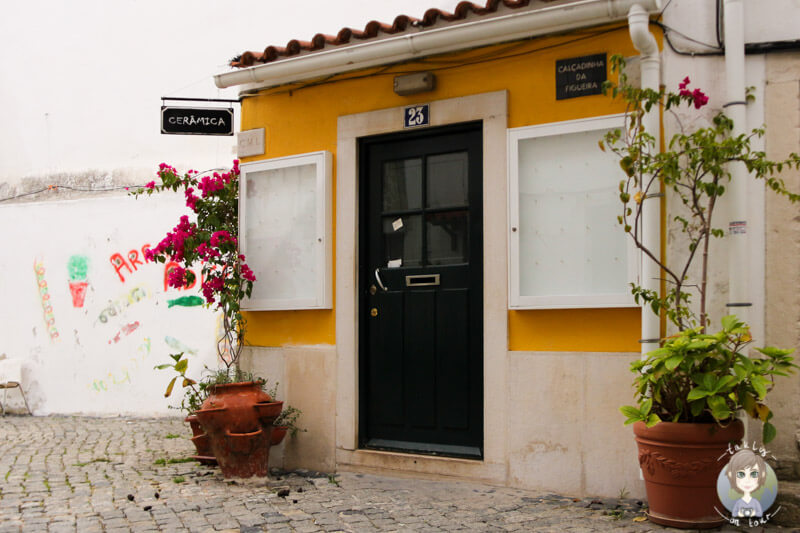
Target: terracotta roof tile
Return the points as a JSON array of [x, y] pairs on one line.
[[374, 29]]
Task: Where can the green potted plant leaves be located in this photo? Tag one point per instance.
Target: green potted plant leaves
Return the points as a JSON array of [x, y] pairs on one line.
[[689, 390]]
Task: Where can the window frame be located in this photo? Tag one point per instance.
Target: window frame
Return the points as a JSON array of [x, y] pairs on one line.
[[564, 301]]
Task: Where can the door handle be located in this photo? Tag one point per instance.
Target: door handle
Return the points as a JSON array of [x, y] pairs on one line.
[[378, 279]]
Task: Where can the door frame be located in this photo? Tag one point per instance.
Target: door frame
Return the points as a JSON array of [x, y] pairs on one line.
[[492, 110]]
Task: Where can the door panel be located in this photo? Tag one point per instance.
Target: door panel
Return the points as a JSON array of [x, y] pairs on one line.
[[421, 292]]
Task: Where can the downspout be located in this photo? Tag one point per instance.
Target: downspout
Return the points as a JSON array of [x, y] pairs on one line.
[[645, 43], [738, 292], [738, 295]]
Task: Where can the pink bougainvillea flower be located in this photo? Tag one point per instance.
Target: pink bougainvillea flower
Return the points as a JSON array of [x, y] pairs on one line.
[[700, 99], [247, 273], [176, 277], [150, 185], [684, 83], [221, 237]]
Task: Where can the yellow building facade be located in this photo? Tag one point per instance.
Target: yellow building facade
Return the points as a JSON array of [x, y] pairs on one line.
[[551, 376]]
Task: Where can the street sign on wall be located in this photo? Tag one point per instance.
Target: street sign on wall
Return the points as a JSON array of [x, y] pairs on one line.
[[196, 121], [580, 76]]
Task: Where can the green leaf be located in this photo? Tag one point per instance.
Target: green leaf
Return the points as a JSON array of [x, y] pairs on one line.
[[181, 365], [760, 386], [697, 393], [673, 362], [729, 322], [768, 433], [169, 387], [629, 411], [771, 351], [652, 420], [646, 406], [719, 409], [162, 367]]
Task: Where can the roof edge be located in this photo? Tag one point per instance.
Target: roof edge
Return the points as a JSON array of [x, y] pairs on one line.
[[451, 38]]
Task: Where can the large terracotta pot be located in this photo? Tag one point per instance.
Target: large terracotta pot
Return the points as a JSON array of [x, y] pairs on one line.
[[201, 442], [680, 464], [238, 420]]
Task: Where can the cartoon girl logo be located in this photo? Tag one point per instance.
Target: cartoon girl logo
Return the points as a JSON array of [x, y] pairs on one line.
[[746, 473], [747, 486]]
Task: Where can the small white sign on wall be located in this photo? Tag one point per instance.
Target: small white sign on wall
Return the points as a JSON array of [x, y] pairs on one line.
[[250, 143]]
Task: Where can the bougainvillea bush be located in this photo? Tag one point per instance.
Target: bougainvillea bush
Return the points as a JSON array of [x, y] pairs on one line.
[[206, 237]]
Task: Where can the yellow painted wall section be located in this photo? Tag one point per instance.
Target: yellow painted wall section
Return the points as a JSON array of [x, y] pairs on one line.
[[303, 118]]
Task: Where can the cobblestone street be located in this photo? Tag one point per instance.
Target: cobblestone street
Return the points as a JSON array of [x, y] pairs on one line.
[[64, 474]]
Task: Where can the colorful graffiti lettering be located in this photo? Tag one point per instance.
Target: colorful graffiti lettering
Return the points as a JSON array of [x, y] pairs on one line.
[[119, 262], [137, 294], [47, 306], [126, 330], [78, 268], [185, 301], [178, 346]]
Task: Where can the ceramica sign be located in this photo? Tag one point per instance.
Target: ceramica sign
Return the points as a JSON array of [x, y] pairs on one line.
[[580, 76], [196, 121]]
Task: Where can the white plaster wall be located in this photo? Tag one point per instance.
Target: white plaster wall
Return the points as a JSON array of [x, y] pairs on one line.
[[708, 74], [98, 357]]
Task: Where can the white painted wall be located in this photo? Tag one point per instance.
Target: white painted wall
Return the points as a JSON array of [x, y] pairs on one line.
[[697, 19], [95, 357]]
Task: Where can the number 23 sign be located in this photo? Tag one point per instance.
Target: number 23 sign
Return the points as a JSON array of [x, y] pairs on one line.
[[416, 115]]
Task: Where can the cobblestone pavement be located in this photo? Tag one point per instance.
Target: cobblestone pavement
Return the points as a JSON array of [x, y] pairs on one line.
[[65, 474]]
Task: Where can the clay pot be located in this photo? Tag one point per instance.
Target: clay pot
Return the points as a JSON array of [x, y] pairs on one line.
[[278, 434], [201, 443], [238, 420], [680, 464]]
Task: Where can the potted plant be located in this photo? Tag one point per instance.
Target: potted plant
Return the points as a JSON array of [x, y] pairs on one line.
[[690, 389], [237, 415], [195, 393], [286, 421]]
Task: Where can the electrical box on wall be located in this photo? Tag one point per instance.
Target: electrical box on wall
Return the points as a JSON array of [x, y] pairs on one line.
[[419, 82]]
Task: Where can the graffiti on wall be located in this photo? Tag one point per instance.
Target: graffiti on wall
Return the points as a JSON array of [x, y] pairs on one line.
[[185, 301], [126, 330], [123, 375], [47, 305], [135, 295], [129, 263], [178, 346], [78, 270]]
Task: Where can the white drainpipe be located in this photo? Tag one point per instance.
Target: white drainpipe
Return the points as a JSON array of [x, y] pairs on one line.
[[481, 32], [739, 296], [645, 43], [738, 291]]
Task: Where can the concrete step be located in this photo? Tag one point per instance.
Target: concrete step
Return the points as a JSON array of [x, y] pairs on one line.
[[789, 501]]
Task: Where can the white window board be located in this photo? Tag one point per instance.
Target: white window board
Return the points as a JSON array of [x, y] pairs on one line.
[[285, 228], [566, 247]]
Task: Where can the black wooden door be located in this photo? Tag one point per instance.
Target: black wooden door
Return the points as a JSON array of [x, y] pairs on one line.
[[421, 305]]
